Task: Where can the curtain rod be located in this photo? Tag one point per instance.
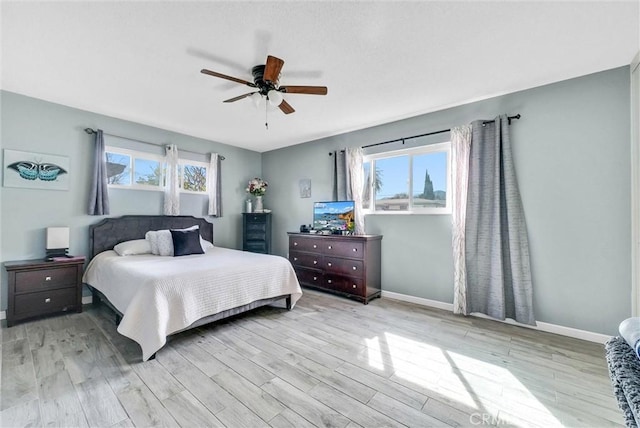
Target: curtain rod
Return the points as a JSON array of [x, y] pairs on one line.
[[93, 131], [509, 118]]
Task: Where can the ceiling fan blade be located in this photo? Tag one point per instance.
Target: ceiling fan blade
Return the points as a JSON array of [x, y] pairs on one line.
[[224, 76], [311, 90], [272, 69], [231, 100], [286, 108]]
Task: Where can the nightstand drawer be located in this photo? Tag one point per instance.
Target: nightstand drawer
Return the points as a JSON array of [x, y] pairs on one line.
[[44, 302], [44, 279]]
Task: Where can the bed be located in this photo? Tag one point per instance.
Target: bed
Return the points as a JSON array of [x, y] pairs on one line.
[[156, 296]]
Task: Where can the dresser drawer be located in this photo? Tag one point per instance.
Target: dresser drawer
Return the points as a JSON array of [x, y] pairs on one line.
[[45, 279], [44, 302], [353, 249], [305, 260], [305, 244], [348, 267], [310, 277], [345, 284], [255, 219], [255, 236], [256, 227], [256, 246]]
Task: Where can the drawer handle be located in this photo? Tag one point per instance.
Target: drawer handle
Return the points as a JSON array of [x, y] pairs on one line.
[[315, 262], [329, 281], [47, 300], [315, 246], [355, 250], [315, 278], [329, 264], [329, 246], [355, 268], [295, 259], [354, 286], [295, 244], [47, 278]]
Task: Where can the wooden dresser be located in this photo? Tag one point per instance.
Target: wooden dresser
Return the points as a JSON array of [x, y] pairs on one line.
[[38, 288], [344, 265], [256, 232]]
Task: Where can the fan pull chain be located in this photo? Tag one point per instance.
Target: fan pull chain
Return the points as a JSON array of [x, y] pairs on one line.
[[266, 110]]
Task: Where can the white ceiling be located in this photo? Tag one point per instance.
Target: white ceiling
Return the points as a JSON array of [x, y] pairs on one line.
[[381, 61]]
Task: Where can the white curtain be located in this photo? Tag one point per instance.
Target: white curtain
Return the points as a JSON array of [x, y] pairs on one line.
[[214, 186], [460, 150], [356, 183], [172, 182]]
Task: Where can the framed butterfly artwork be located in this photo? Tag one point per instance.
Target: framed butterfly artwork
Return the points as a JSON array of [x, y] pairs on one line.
[[35, 170]]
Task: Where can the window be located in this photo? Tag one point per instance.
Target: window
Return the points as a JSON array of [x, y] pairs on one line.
[[129, 169], [193, 176], [408, 181]]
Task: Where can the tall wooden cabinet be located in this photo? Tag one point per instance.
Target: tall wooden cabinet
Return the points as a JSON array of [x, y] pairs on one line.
[[256, 232], [344, 265]]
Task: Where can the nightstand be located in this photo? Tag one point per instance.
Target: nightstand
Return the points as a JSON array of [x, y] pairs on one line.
[[38, 288]]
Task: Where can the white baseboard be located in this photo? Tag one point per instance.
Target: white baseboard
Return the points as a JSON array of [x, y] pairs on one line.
[[3, 315], [542, 326]]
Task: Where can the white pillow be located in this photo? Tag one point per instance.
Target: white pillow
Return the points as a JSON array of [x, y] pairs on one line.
[[165, 243], [152, 237], [131, 248], [205, 244], [162, 243]]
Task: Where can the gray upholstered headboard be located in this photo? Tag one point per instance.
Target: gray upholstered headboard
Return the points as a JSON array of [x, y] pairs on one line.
[[111, 231]]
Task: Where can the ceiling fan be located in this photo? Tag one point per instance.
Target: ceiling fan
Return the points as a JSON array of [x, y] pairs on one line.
[[266, 82]]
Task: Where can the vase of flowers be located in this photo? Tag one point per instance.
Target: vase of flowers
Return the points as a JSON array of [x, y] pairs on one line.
[[257, 187]]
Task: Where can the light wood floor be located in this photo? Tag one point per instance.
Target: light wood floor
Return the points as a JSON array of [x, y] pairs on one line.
[[328, 362]]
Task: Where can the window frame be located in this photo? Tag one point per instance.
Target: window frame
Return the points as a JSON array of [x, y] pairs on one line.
[[411, 152], [135, 154]]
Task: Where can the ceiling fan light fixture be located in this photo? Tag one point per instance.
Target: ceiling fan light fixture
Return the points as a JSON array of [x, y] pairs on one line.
[[257, 99], [275, 97]]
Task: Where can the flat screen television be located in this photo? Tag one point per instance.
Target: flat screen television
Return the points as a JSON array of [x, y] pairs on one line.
[[334, 216]]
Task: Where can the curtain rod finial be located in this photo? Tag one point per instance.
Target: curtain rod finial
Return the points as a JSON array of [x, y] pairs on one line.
[[89, 131]]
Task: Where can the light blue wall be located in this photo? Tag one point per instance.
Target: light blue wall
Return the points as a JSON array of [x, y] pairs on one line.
[[34, 125], [571, 151]]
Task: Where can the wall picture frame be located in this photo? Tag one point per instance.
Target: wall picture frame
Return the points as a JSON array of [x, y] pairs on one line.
[[305, 188], [29, 170]]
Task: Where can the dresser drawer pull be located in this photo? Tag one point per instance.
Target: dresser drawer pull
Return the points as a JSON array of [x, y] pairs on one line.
[[329, 281], [47, 300], [355, 286], [47, 278], [329, 246], [295, 259], [355, 268], [355, 250], [329, 264], [315, 278], [295, 244], [315, 262], [315, 246]]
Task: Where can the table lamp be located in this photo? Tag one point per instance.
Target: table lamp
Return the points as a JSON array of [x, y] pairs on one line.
[[57, 242]]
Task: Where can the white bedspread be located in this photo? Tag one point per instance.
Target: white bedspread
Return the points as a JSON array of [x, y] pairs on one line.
[[162, 295]]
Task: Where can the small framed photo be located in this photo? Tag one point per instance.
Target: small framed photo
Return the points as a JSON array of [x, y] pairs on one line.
[[305, 188]]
